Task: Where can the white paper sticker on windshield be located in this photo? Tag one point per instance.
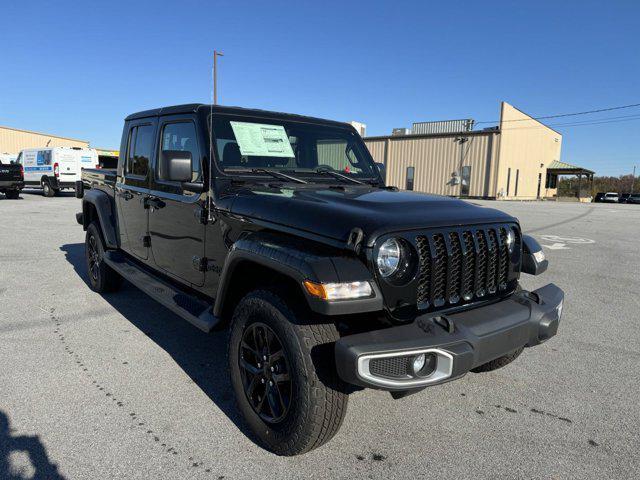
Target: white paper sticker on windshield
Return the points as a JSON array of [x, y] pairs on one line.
[[262, 140]]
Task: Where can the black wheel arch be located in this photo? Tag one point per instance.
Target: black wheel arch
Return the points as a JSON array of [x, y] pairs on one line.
[[288, 262], [97, 205]]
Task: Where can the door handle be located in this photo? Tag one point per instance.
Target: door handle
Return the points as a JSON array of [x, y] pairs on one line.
[[127, 195], [153, 203]]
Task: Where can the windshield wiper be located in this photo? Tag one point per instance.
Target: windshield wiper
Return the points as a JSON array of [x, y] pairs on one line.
[[276, 174], [339, 176]]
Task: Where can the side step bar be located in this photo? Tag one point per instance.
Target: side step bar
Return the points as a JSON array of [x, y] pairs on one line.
[[191, 308]]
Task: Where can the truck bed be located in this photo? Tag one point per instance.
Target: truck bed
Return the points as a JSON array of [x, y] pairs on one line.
[[99, 178]]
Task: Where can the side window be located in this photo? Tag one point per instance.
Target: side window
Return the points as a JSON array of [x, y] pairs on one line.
[[130, 144], [138, 163], [182, 136], [44, 157]]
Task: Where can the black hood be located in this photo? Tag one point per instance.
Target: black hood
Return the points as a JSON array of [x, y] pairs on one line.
[[334, 212]]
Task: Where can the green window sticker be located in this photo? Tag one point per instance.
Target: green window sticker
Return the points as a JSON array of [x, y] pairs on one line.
[[263, 140]]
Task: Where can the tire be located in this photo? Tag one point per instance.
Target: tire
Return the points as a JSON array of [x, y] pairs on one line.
[[56, 192], [317, 403], [102, 278], [12, 194], [498, 362], [47, 189]]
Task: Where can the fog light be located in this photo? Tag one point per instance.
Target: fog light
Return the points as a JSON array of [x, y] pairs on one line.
[[424, 364], [419, 362]]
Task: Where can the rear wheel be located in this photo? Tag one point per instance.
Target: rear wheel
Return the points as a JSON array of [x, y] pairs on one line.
[[47, 189], [102, 278], [283, 375]]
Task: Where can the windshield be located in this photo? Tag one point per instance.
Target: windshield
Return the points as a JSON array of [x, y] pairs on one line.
[[245, 144]]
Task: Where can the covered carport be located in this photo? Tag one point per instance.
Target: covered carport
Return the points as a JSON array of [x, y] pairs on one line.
[[557, 168]]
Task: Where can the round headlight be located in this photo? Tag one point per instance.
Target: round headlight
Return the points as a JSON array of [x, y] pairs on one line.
[[388, 259], [511, 239]]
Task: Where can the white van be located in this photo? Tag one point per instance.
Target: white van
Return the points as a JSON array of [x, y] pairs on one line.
[[55, 168]]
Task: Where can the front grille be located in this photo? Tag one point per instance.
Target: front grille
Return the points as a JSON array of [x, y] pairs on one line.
[[391, 367], [462, 265]]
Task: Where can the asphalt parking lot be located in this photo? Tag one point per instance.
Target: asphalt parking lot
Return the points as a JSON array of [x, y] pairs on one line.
[[119, 387]]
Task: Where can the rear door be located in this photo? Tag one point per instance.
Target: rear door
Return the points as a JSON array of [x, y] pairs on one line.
[[67, 160], [132, 188], [175, 228]]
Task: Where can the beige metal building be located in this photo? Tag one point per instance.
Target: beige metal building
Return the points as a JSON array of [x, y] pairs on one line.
[[12, 140], [509, 161]]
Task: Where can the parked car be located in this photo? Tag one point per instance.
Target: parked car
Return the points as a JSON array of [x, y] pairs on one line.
[[599, 198], [610, 197], [279, 227], [623, 198], [11, 179], [55, 168], [634, 198]]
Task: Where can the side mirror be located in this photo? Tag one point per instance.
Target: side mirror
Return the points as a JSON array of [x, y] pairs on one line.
[[175, 166], [382, 169]]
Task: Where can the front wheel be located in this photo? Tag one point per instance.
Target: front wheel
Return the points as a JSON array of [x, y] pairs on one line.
[[283, 375]]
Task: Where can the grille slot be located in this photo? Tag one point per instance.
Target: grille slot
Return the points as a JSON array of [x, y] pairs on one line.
[[462, 265], [424, 275], [439, 272]]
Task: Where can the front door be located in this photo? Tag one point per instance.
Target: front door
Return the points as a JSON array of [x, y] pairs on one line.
[[175, 226], [132, 189]]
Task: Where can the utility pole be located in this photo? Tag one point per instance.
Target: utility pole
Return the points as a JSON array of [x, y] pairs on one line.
[[633, 178], [216, 54]]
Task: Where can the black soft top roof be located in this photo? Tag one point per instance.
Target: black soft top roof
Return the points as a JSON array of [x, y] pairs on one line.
[[250, 112]]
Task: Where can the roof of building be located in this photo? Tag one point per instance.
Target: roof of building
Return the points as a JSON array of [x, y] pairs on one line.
[[43, 134], [564, 167], [241, 111]]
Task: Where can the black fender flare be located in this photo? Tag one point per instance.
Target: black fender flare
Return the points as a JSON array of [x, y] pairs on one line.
[[301, 261], [533, 258], [103, 205]]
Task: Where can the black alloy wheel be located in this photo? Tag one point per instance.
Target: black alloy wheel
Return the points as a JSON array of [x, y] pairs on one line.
[[93, 257], [265, 373]]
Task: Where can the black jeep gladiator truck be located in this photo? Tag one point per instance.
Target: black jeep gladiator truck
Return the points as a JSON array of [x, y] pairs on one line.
[[280, 228], [11, 179]]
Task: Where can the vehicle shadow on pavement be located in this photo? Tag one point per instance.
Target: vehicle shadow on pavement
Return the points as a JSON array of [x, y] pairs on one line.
[[15, 468], [202, 357]]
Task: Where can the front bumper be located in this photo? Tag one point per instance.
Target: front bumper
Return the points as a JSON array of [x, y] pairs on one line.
[[461, 341]]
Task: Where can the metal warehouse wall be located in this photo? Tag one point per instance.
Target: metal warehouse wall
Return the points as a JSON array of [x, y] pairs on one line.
[[13, 140], [527, 147], [436, 157]]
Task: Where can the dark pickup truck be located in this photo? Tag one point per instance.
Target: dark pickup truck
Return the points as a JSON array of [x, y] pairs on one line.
[[11, 179], [280, 228]]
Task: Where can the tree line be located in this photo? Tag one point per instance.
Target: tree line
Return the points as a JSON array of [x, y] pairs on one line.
[[568, 186]]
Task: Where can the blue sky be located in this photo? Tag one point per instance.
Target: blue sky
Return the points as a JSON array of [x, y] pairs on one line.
[[78, 68]]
